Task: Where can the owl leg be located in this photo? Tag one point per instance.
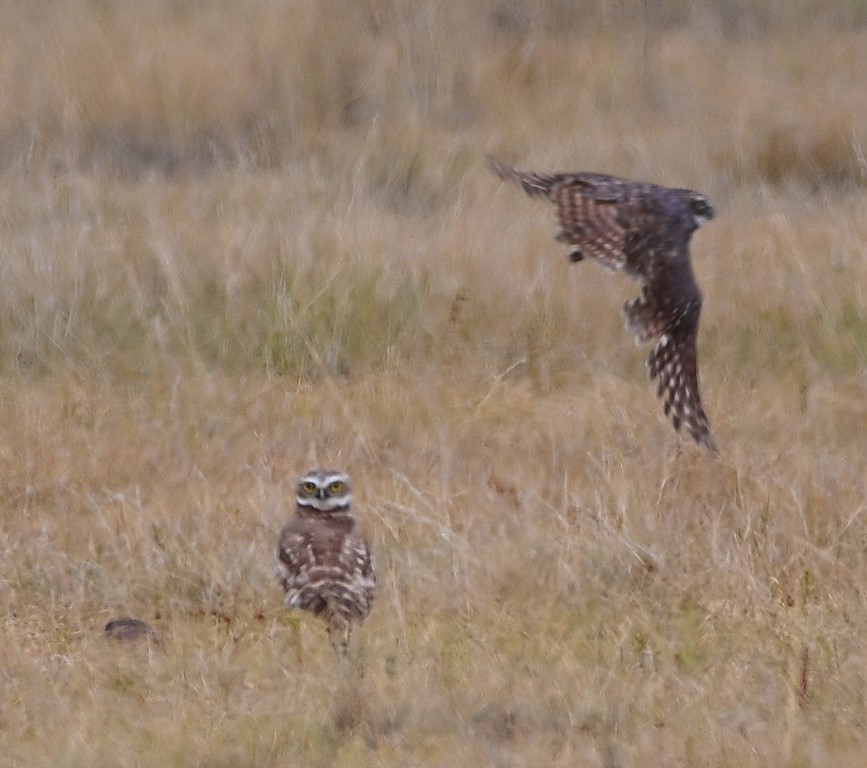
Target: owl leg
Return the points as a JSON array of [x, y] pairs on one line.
[[338, 635], [575, 254], [294, 622]]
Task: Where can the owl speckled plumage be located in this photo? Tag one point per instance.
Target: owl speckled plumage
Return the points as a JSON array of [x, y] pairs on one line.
[[324, 562], [643, 229]]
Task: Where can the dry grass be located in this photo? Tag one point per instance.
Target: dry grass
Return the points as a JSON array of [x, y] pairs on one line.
[[240, 242]]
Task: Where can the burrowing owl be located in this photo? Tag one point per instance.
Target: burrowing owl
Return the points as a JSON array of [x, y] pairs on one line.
[[324, 562], [645, 230]]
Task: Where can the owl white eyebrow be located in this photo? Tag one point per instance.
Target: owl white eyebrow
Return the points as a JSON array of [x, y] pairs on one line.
[[327, 479]]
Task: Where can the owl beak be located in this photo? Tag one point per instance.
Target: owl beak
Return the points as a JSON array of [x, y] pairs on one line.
[[320, 493]]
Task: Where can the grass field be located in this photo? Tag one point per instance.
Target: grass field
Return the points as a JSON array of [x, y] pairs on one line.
[[242, 240]]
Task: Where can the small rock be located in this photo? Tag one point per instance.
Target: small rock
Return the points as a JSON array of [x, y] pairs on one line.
[[127, 628]]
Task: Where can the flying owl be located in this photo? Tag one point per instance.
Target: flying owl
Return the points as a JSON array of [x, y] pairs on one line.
[[644, 229], [324, 562]]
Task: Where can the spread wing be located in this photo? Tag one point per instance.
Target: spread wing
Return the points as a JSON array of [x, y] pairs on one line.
[[674, 361], [670, 307], [607, 218]]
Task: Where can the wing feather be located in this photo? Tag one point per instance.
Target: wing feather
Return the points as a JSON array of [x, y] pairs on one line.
[[326, 569], [605, 217], [674, 362]]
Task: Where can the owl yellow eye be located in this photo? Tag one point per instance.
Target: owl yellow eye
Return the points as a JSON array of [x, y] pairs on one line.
[[308, 489], [336, 488]]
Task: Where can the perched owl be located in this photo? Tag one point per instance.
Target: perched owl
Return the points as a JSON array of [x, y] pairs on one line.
[[643, 229], [324, 562]]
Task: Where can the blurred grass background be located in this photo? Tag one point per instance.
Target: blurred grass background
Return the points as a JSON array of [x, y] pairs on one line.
[[239, 240]]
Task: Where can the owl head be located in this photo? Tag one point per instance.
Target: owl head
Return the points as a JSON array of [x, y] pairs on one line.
[[701, 209], [324, 490]]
